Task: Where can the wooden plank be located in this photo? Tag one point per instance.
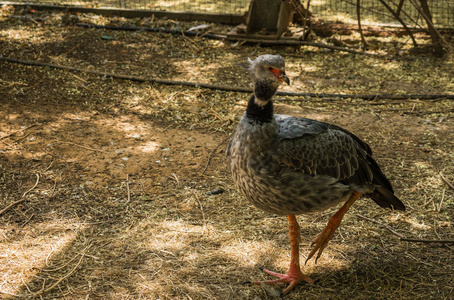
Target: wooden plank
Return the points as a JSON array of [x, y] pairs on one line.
[[230, 19]]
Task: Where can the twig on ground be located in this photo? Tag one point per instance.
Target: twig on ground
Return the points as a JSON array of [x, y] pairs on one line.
[[370, 97], [127, 188], [13, 82], [81, 79], [17, 131], [25, 284], [30, 189], [402, 238], [48, 167], [382, 225], [412, 112], [48, 256], [192, 43], [11, 294], [28, 18], [69, 261], [446, 180], [80, 146], [436, 232], [231, 38], [438, 206], [22, 138], [305, 43], [427, 241], [43, 291], [70, 50], [175, 177], [229, 88], [53, 188], [28, 220], [215, 113], [23, 197], [427, 112], [211, 153], [419, 260], [203, 214]]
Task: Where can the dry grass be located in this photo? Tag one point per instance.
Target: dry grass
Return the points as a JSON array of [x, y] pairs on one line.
[[76, 236]]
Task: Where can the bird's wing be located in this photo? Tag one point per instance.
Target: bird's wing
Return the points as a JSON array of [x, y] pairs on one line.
[[318, 148]]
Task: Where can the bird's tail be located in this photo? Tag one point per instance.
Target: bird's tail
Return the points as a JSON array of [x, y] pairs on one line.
[[383, 194], [386, 199]]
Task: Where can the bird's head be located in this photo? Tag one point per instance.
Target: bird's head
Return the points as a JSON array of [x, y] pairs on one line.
[[267, 68]]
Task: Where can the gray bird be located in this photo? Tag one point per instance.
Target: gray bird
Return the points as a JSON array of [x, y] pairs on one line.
[[289, 166]]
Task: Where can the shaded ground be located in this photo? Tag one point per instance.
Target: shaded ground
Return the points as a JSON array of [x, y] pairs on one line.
[[78, 142]]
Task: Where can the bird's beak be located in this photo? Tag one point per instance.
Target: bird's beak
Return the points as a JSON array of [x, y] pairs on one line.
[[283, 77], [280, 75]]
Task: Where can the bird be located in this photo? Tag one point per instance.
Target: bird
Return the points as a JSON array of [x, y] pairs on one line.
[[289, 166]]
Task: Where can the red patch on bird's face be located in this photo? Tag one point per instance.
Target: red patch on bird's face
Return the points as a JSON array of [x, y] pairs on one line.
[[276, 73], [280, 75]]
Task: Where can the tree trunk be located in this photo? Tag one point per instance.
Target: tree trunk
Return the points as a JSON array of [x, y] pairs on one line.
[[434, 34]]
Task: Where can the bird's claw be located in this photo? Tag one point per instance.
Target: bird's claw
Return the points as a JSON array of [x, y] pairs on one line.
[[320, 242], [293, 279]]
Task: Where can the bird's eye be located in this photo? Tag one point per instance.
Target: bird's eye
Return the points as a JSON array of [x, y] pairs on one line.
[[270, 68]]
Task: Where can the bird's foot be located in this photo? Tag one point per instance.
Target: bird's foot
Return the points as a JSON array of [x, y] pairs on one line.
[[292, 279], [322, 240]]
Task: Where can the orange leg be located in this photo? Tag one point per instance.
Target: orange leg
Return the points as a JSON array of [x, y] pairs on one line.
[[322, 240], [294, 275]]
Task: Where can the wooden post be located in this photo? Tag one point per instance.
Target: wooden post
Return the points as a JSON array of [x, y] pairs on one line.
[[269, 17]]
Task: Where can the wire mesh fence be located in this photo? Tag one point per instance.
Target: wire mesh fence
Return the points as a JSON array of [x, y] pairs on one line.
[[372, 11]]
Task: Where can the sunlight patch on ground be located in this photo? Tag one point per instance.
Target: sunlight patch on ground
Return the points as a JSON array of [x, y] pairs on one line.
[[307, 68], [422, 165], [21, 35], [417, 224], [170, 236], [390, 65], [148, 147], [247, 252], [132, 130], [25, 252], [77, 116], [188, 68]]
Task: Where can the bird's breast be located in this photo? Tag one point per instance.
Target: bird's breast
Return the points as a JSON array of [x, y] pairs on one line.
[[271, 186]]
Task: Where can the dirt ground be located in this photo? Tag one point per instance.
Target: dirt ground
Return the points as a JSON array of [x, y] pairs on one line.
[[115, 175]]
